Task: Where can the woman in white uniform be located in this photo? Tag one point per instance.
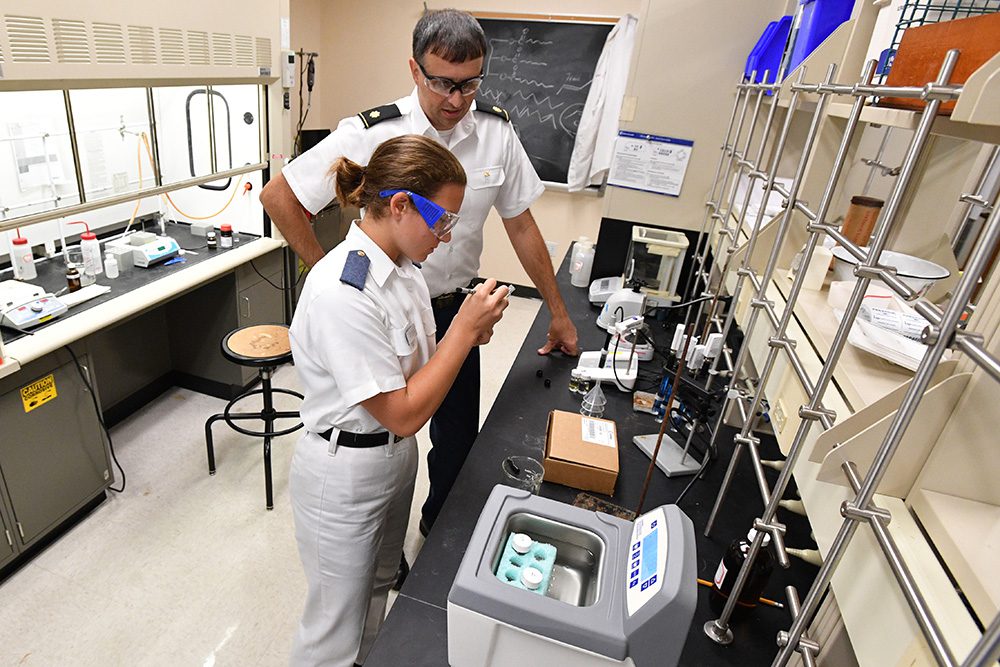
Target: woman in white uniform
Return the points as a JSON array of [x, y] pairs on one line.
[[363, 342]]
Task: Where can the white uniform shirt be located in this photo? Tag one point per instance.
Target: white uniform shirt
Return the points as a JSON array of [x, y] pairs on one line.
[[497, 168], [350, 345]]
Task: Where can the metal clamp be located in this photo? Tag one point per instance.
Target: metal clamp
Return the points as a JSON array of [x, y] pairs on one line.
[[874, 272], [748, 440], [786, 343], [943, 92], [774, 528], [762, 303], [804, 644], [869, 514], [817, 414]]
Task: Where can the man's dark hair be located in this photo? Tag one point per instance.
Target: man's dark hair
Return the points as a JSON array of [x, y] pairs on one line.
[[450, 34]]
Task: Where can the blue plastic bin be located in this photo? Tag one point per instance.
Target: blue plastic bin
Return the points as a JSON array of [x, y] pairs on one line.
[[766, 54], [819, 19]]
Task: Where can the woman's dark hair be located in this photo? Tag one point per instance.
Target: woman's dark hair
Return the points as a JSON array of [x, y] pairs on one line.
[[410, 162], [450, 34]]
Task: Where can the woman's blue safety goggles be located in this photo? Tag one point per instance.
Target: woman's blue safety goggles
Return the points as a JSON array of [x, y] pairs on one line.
[[440, 221]]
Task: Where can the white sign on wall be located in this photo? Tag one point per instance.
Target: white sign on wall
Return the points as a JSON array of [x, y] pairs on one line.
[[650, 163]]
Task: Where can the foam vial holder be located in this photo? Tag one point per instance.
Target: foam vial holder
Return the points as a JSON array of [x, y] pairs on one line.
[[520, 556]]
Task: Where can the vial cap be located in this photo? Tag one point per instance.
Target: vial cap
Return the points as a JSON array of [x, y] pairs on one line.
[[753, 533], [521, 543], [226, 228], [531, 578]]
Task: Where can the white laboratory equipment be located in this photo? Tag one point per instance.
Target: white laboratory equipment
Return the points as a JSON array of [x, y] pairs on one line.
[[581, 262], [147, 252], [22, 259], [655, 258], [621, 592], [23, 305], [620, 306]]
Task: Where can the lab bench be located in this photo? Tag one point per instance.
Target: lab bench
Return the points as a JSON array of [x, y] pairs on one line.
[[415, 631], [156, 328]]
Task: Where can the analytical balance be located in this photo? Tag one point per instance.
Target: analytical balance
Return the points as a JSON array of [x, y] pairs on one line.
[[655, 258], [619, 592]]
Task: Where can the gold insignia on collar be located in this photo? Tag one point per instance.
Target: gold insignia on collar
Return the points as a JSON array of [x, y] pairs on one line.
[[361, 253], [498, 109], [374, 114], [486, 174]]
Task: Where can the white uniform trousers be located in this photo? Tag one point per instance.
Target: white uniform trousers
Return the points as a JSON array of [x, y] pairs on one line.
[[351, 507]]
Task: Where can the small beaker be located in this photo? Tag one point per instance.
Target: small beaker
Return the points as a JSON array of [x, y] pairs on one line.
[[75, 256], [522, 472]]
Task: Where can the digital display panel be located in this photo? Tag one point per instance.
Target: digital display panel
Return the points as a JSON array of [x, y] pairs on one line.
[[648, 556]]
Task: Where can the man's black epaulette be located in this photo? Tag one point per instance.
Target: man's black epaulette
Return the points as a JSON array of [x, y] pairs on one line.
[[488, 107], [375, 116]]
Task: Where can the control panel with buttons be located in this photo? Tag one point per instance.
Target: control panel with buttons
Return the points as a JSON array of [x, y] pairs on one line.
[[647, 558]]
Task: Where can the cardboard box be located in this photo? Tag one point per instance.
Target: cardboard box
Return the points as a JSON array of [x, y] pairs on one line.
[[581, 452]]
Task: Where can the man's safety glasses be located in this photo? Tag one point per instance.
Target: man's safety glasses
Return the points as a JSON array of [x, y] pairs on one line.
[[439, 220], [445, 86]]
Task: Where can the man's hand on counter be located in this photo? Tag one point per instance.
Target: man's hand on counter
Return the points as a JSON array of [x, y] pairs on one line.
[[562, 337]]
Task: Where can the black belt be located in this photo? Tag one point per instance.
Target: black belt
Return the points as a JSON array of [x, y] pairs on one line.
[[360, 440]]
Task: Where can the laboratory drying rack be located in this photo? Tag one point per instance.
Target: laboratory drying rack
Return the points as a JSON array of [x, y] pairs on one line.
[[946, 331]]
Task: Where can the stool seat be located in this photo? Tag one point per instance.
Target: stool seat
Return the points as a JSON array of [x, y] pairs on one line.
[[258, 346], [264, 347]]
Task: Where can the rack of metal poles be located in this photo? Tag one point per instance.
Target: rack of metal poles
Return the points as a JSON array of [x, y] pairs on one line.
[[736, 390], [944, 332]]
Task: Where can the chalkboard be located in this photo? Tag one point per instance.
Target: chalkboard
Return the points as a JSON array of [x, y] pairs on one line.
[[541, 72]]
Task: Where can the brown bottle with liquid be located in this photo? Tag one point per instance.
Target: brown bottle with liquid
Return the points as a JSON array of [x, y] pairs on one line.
[[729, 569], [72, 277]]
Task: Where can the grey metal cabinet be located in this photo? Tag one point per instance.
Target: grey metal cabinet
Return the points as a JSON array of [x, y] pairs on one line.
[[7, 550], [53, 456], [198, 320]]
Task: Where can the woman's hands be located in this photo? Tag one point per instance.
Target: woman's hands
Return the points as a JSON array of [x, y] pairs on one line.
[[480, 311]]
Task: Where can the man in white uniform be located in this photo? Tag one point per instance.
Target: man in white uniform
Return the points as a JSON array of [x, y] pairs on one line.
[[447, 67]]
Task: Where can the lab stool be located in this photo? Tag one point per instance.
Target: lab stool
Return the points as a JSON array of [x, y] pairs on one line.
[[264, 347]]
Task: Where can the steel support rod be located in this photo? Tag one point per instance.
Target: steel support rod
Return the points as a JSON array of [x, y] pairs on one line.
[[914, 598], [725, 214], [986, 652], [711, 206], [807, 648], [71, 211], [739, 221], [917, 386], [761, 296]]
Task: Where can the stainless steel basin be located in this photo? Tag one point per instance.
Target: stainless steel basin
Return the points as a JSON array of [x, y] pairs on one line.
[[576, 576]]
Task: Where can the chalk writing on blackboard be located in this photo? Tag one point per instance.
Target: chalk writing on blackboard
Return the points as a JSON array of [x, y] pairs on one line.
[[541, 73]]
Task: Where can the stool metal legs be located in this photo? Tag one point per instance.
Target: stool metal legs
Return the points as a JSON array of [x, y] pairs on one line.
[[268, 415]]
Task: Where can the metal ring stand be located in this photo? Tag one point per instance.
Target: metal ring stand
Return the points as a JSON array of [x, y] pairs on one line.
[[945, 332]]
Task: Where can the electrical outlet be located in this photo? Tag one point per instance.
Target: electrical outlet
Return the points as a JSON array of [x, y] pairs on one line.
[[552, 247], [779, 416]]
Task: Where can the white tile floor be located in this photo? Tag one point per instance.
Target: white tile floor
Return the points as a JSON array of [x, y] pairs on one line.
[[184, 568]]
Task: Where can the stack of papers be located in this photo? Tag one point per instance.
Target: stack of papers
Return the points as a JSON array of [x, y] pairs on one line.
[[888, 345]]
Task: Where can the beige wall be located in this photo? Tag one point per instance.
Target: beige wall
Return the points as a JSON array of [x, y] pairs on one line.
[[306, 34], [688, 56], [684, 78]]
